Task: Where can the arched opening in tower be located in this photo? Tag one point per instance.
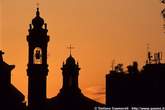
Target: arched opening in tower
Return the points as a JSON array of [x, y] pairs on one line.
[[37, 56]]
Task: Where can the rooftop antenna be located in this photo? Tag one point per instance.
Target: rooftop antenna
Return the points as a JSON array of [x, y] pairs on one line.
[[158, 57], [148, 47], [113, 63], [149, 56], [163, 12]]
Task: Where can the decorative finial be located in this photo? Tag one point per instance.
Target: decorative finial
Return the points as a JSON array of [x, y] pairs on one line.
[[30, 26], [70, 48], [38, 5], [45, 26], [38, 12]]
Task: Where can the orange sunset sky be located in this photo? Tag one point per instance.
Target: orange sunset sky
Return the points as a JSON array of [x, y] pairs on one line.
[[100, 30]]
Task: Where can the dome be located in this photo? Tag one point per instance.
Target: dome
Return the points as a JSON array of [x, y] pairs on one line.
[[38, 21], [70, 60]]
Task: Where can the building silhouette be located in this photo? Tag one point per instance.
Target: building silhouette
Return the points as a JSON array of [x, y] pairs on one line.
[[37, 63], [131, 88], [144, 88], [70, 96], [10, 97]]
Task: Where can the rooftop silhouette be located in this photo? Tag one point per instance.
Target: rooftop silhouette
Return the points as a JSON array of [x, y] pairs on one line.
[[137, 88], [10, 97], [70, 96], [132, 88]]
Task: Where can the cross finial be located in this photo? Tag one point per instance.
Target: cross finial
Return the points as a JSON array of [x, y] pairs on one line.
[[38, 5], [37, 13], [70, 48]]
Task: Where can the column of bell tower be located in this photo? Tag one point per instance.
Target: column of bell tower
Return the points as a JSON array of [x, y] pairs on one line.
[[37, 70]]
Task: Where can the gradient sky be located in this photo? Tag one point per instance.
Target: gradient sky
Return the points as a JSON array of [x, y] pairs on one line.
[[100, 30]]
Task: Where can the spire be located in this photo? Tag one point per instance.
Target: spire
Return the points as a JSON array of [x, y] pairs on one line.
[[38, 22], [38, 12]]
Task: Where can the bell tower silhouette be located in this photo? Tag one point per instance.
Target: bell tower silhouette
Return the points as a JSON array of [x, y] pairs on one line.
[[70, 72], [37, 63]]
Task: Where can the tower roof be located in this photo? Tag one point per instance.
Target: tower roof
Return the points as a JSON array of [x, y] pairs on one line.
[[38, 21], [70, 60]]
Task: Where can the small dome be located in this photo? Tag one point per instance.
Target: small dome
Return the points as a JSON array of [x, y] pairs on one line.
[[70, 60], [38, 21]]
